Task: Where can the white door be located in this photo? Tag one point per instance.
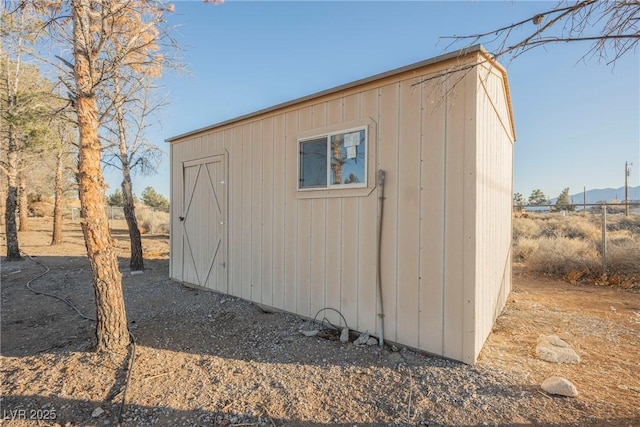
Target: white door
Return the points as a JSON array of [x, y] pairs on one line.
[[204, 220]]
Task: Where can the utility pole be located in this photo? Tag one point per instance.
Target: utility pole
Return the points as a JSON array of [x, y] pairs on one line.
[[626, 187]]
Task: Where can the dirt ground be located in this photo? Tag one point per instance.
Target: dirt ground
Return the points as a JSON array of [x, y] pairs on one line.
[[204, 359]]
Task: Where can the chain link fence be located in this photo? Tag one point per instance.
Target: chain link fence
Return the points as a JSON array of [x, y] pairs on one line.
[[583, 240], [150, 220]]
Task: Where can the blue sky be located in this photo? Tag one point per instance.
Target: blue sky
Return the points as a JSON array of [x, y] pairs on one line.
[[577, 122]]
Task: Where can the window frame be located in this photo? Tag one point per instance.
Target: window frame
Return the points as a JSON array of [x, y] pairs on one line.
[[327, 136]]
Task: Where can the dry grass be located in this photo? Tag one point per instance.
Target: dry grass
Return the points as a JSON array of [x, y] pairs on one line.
[[155, 222], [558, 256], [571, 246]]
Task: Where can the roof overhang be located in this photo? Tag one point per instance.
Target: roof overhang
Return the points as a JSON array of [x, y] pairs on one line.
[[476, 49]]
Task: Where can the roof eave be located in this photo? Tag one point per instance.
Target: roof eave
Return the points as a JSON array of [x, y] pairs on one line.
[[441, 58]]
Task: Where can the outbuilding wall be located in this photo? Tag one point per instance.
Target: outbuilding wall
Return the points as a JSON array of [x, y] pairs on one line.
[[444, 143]]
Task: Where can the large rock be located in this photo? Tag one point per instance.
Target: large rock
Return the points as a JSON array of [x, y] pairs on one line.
[[559, 386], [362, 339], [552, 349]]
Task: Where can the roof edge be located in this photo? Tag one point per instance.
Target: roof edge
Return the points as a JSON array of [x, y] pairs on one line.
[[505, 80], [478, 48]]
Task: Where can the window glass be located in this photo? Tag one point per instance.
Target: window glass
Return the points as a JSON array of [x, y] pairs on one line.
[[336, 159], [313, 163], [348, 158]]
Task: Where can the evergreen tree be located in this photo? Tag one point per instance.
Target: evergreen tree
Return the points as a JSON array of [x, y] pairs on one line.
[[153, 199], [115, 199], [537, 198], [518, 200], [564, 202]]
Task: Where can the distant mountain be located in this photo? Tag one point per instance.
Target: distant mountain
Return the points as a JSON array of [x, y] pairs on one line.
[[606, 195]]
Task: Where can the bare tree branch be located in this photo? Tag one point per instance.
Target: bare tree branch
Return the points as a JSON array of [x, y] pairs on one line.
[[613, 28]]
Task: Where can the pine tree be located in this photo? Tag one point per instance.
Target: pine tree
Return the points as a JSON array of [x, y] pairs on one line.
[[538, 198], [564, 202], [153, 199]]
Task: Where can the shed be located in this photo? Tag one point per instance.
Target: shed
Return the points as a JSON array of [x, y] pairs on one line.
[[286, 207]]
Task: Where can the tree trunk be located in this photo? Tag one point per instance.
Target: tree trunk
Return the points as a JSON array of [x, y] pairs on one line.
[[136, 262], [111, 318], [56, 238], [23, 203], [3, 203], [11, 229]]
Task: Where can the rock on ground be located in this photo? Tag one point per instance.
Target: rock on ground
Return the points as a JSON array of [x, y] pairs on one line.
[[553, 349], [560, 386]]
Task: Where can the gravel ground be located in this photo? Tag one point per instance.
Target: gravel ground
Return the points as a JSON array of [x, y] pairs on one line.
[[205, 359]]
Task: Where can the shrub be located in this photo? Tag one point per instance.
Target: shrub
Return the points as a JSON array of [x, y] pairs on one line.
[[575, 227], [623, 256], [149, 221], [560, 256], [525, 228], [524, 247], [629, 223], [571, 246], [41, 209]]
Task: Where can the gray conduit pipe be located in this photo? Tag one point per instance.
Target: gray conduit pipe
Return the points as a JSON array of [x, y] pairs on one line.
[[381, 176]]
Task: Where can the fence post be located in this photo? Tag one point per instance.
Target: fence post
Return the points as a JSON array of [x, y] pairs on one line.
[[604, 239], [153, 221]]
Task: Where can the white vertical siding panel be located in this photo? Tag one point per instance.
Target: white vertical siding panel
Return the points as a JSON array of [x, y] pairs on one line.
[[494, 204], [350, 234], [454, 218], [218, 141], [432, 204], [368, 235], [317, 285], [279, 211], [333, 220], [267, 238], [318, 232], [233, 142], [256, 211], [349, 277], [221, 268], [246, 211], [388, 160], [468, 85], [208, 143], [303, 254], [305, 122], [291, 210], [408, 236]]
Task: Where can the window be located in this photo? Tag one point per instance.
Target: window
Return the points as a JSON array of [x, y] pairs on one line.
[[335, 160]]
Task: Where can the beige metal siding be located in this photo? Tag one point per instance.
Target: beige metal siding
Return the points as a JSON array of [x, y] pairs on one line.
[[458, 203], [432, 219], [303, 251], [388, 147], [408, 207], [367, 234], [266, 216], [494, 198]]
